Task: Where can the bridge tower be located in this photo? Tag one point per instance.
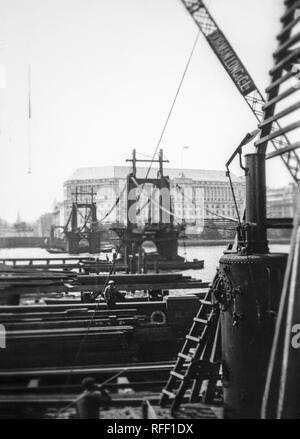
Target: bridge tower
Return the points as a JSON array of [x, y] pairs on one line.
[[160, 230], [89, 231]]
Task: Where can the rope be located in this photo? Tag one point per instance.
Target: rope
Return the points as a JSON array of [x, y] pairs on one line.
[[113, 207], [83, 340], [233, 196], [144, 155], [172, 106], [80, 397], [229, 219], [155, 202], [86, 218], [67, 223]]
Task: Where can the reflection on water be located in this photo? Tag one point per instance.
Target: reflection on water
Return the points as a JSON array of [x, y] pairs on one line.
[[210, 255]]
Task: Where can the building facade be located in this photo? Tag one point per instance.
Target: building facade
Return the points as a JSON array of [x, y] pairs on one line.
[[281, 202], [43, 225], [196, 195]]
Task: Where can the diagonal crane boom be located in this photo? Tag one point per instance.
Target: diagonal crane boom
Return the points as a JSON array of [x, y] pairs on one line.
[[239, 75]]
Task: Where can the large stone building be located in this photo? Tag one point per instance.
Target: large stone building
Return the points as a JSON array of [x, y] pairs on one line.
[[197, 195], [281, 201]]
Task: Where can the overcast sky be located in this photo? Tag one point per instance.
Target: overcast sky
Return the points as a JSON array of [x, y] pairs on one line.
[[104, 75]]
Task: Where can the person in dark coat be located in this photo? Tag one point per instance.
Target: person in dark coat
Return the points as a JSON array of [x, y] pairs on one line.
[[92, 398], [112, 295]]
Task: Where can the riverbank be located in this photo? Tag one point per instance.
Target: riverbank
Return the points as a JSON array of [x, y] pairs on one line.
[[223, 242]]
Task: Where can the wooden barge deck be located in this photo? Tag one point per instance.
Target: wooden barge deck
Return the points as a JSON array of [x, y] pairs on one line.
[[95, 265], [42, 393], [43, 341], [49, 335], [18, 282]]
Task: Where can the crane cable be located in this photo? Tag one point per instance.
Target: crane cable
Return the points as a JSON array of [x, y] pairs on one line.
[[85, 335], [164, 127], [84, 338], [148, 171], [172, 105], [228, 218], [191, 201], [86, 218], [29, 119], [114, 205], [155, 202]]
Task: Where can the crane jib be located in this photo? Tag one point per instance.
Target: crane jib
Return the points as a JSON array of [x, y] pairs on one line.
[[231, 62]]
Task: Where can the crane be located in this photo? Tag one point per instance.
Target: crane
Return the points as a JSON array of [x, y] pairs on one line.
[[241, 77], [251, 281]]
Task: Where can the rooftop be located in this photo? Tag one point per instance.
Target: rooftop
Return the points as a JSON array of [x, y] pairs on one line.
[[103, 172]]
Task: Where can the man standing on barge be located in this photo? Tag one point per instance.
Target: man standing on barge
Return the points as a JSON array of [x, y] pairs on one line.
[[111, 295], [92, 398]]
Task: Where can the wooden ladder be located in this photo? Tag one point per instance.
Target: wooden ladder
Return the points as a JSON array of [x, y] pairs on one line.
[[199, 359]]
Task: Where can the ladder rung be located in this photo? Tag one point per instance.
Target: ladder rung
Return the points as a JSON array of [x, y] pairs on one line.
[[281, 114], [290, 10], [191, 338], [198, 320], [184, 356], [282, 151], [287, 28], [277, 133], [168, 393], [281, 96], [177, 375], [292, 40], [280, 81], [294, 54]]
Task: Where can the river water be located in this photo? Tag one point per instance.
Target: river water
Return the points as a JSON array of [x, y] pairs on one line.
[[210, 255]]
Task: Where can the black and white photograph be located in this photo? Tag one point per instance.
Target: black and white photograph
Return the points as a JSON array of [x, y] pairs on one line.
[[149, 212]]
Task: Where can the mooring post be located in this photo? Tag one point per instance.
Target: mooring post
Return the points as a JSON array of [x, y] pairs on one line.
[[140, 260], [133, 269], [130, 264], [126, 258], [144, 262]]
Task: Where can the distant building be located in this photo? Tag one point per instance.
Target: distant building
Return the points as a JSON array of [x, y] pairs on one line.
[[281, 202], [43, 224], [58, 218], [21, 229], [197, 195]]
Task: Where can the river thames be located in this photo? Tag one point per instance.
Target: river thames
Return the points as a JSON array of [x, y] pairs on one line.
[[210, 255]]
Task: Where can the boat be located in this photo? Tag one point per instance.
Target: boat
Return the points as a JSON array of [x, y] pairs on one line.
[[134, 331]]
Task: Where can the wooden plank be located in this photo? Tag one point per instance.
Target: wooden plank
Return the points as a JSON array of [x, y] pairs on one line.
[[65, 332], [70, 324], [50, 308], [79, 370], [33, 384], [63, 399], [65, 315], [148, 410]]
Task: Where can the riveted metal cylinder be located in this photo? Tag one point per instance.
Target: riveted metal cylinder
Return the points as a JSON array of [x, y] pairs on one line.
[[249, 292], [256, 202]]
